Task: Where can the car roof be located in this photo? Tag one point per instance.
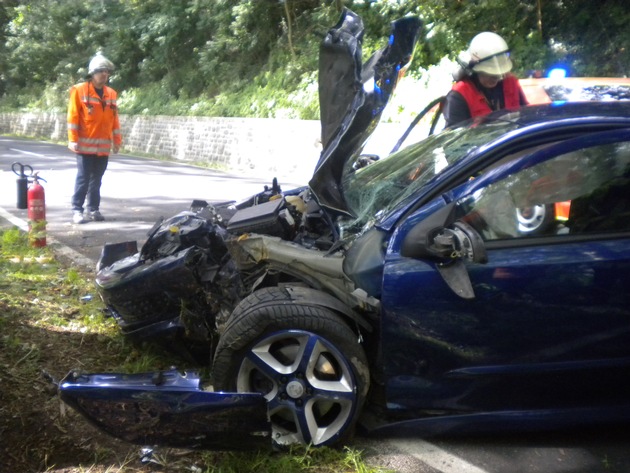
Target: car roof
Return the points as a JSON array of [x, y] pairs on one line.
[[592, 110], [546, 90]]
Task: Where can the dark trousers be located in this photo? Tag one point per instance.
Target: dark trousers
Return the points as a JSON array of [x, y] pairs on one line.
[[90, 170]]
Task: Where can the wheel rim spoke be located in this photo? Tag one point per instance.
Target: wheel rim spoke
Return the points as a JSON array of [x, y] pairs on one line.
[[265, 360], [308, 385], [310, 349], [338, 392], [307, 425]]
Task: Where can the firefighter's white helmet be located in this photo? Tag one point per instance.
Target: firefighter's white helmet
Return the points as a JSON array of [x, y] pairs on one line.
[[100, 63], [488, 52]]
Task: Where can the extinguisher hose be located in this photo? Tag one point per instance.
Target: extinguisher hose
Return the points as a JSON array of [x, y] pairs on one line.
[[36, 178]]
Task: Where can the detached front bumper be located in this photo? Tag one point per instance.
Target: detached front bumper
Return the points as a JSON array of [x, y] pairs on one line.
[[168, 408]]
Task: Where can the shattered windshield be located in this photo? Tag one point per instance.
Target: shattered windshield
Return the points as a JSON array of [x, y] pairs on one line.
[[373, 191]]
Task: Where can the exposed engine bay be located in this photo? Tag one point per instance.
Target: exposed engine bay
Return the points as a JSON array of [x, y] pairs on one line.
[[184, 282], [196, 266]]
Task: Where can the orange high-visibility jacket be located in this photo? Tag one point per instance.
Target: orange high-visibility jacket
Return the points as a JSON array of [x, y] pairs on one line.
[[93, 123], [477, 102]]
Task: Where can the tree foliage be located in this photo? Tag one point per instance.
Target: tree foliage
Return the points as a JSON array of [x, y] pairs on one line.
[[259, 57]]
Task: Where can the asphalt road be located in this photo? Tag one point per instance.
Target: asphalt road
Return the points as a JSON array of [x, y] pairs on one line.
[[136, 192]]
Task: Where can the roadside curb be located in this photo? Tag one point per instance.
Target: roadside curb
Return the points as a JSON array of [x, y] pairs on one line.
[[64, 252]]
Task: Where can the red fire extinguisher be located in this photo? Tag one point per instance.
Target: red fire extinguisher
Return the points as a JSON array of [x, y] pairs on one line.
[[36, 213]]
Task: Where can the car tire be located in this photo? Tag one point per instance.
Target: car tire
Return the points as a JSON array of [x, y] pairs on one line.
[[535, 220], [306, 361]]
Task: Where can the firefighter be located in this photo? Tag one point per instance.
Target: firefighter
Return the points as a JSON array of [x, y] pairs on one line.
[[93, 132], [483, 82]]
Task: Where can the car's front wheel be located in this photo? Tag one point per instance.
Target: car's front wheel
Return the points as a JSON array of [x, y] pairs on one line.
[[304, 359]]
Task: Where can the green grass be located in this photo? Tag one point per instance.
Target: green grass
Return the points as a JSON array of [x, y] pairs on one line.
[[298, 459]]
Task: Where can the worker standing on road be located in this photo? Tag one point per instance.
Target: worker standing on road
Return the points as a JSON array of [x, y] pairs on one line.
[[93, 131], [483, 83]]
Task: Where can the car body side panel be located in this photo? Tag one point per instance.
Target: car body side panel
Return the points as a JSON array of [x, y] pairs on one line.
[[529, 340], [170, 409], [549, 324], [503, 421]]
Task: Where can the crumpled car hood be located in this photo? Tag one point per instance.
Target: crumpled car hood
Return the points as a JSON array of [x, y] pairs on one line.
[[352, 97]]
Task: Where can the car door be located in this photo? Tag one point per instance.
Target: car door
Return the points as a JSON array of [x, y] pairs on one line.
[[548, 325]]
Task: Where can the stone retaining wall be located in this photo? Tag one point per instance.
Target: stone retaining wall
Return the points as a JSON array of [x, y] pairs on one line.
[[287, 149], [256, 147]]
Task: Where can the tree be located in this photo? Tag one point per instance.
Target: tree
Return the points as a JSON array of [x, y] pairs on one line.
[[226, 51], [591, 37], [6, 16]]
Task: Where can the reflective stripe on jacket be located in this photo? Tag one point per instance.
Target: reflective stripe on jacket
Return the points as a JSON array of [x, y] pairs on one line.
[[477, 102], [93, 123]]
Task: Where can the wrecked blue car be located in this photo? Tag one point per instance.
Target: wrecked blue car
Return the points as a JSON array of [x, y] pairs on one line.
[[402, 294]]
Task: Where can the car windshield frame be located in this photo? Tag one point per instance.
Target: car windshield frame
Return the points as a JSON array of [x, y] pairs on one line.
[[374, 191]]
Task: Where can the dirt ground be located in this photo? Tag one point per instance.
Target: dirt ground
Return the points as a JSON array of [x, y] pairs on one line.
[[38, 433]]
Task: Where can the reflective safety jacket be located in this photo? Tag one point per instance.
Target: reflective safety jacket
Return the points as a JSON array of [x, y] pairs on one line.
[[477, 102], [93, 122]]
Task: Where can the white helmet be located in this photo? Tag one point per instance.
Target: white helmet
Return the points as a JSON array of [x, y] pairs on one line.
[[100, 63], [488, 53]]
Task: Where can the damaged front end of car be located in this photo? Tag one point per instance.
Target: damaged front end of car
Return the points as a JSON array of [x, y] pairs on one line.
[[182, 285], [173, 288], [194, 268]]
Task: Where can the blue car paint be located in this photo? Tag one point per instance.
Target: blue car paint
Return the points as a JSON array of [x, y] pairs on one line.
[[527, 310], [492, 422], [539, 303], [478, 363], [168, 408]]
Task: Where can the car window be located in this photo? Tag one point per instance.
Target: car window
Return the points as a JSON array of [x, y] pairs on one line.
[[381, 186], [584, 191]]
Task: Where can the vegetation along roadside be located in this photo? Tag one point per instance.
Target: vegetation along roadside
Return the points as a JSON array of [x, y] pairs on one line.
[[52, 322]]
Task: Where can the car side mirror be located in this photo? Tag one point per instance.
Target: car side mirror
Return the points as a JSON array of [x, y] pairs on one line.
[[459, 241], [449, 245]]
